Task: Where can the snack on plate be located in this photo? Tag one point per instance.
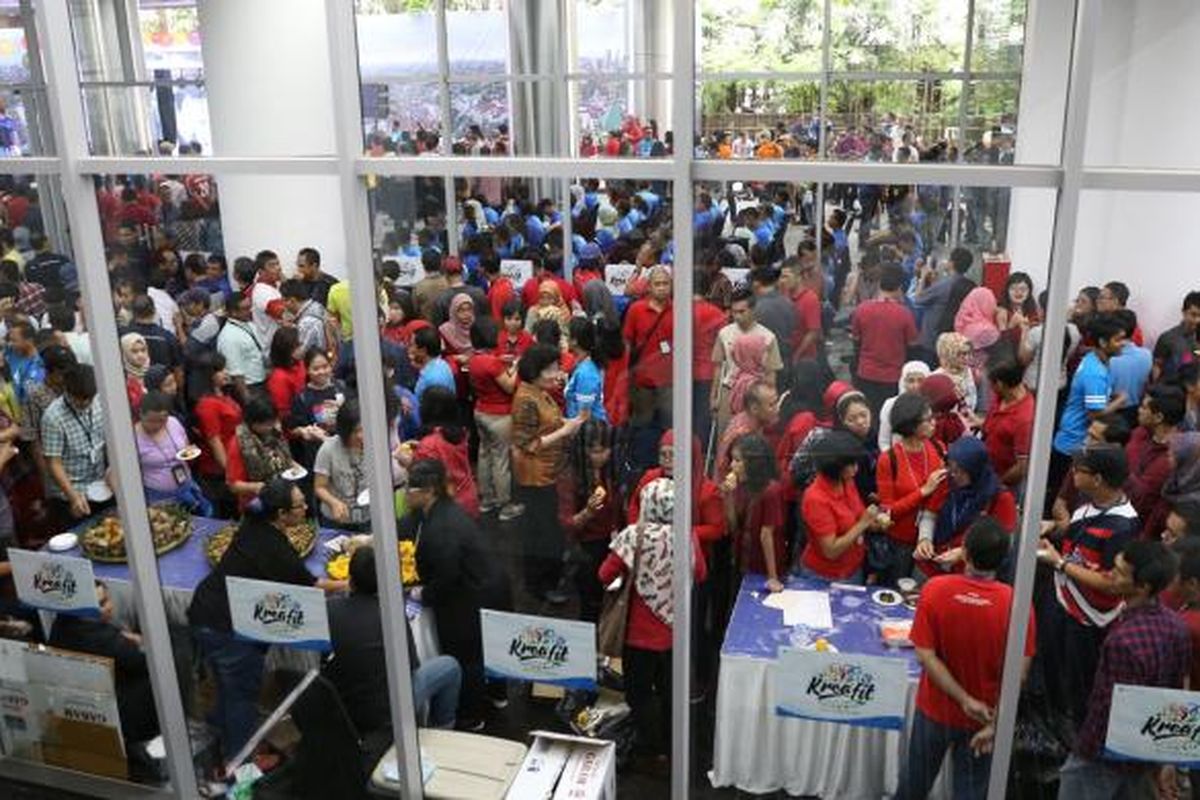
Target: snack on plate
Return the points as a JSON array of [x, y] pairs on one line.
[[170, 526], [895, 632], [408, 562], [338, 567], [302, 537]]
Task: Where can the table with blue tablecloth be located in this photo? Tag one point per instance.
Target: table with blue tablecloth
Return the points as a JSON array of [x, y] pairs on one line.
[[181, 570], [757, 751]]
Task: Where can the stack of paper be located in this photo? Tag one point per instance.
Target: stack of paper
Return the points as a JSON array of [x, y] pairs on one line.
[[806, 608]]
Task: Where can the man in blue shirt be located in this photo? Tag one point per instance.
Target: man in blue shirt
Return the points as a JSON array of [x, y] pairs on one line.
[[425, 353], [1089, 396], [1129, 370]]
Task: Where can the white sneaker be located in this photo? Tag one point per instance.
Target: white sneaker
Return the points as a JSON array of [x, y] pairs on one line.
[[511, 511]]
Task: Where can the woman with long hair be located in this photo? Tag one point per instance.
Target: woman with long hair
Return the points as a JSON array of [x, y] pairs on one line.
[[341, 474], [215, 420], [444, 439], [1018, 306], [287, 376], [585, 385], [754, 512], [591, 509], [835, 517]]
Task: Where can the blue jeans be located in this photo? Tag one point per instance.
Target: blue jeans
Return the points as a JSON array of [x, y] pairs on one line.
[[238, 669], [435, 690], [1097, 780], [927, 746]]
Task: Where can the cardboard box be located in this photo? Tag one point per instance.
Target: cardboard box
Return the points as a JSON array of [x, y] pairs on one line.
[[562, 767]]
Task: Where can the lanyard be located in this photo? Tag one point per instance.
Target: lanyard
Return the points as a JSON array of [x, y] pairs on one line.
[[87, 429]]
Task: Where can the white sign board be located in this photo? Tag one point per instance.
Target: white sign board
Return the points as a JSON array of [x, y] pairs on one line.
[[868, 691], [1156, 725], [616, 276], [516, 270], [412, 270], [52, 582], [278, 613], [523, 647], [737, 275]]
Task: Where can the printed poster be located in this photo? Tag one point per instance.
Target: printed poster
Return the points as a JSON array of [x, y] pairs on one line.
[[523, 647], [516, 270], [278, 613], [616, 276], [1156, 725], [51, 582], [869, 691]]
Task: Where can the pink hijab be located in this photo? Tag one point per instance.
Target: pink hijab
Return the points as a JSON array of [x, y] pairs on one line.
[[457, 335], [749, 356], [976, 318]]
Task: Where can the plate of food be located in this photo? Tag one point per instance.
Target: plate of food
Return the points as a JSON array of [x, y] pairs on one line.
[[296, 473], [302, 538], [98, 492], [170, 527], [189, 453], [821, 645], [887, 597], [62, 542], [895, 632]]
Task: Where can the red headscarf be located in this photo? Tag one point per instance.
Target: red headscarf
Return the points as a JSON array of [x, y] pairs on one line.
[[942, 394]]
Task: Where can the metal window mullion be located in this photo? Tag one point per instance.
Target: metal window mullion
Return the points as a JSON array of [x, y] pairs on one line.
[[566, 127], [364, 311], [88, 242], [444, 145], [683, 112], [1087, 26], [956, 197], [822, 118]]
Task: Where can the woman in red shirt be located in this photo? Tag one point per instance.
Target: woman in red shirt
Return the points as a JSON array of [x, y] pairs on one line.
[[590, 510], [216, 417], [834, 515], [616, 371], [402, 320], [975, 491], [647, 655], [514, 339], [288, 374], [754, 511], [493, 382], [911, 479], [445, 440]]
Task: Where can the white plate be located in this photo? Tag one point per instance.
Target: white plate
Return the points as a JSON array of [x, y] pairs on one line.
[[98, 492], [887, 597], [364, 497], [296, 473], [190, 453], [63, 542]]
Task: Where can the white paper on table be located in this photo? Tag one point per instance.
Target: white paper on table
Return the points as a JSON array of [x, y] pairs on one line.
[[808, 608]]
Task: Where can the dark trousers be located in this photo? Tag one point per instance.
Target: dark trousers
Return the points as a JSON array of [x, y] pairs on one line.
[[591, 591], [649, 418], [1068, 654], [648, 692], [702, 414], [542, 537], [238, 669], [927, 746]]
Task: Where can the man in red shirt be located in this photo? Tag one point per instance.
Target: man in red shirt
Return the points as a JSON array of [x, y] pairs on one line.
[[1008, 429], [500, 287], [647, 332], [545, 272], [1159, 415], [883, 329], [707, 321], [795, 280], [959, 634]]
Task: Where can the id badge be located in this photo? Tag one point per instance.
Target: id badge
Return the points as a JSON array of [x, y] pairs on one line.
[[98, 454], [664, 347], [180, 474]]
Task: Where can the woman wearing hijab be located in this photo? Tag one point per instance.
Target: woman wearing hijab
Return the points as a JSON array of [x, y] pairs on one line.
[[976, 320], [954, 361], [550, 305], [647, 658], [975, 491], [748, 361], [136, 358], [456, 338], [943, 398], [912, 375]]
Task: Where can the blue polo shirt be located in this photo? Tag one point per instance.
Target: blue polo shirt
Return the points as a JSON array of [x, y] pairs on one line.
[[1090, 392], [1128, 373], [436, 372]]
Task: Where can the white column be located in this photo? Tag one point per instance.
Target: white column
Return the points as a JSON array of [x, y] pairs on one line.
[[266, 66], [1044, 72]]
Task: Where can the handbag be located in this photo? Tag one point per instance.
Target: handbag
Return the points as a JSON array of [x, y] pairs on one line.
[[614, 614]]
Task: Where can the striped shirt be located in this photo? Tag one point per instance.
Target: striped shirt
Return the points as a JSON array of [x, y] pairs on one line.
[[1093, 540]]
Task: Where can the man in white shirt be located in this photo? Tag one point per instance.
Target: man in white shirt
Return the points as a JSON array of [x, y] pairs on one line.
[[744, 324], [266, 301], [240, 345]]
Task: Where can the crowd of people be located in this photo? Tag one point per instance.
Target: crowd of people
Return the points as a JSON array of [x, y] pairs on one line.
[[538, 414]]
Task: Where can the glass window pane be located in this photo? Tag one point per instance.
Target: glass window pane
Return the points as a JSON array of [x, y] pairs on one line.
[[601, 41], [735, 115], [911, 35], [749, 35], [396, 44], [402, 117], [629, 118], [999, 38], [479, 116], [478, 37], [878, 119]]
